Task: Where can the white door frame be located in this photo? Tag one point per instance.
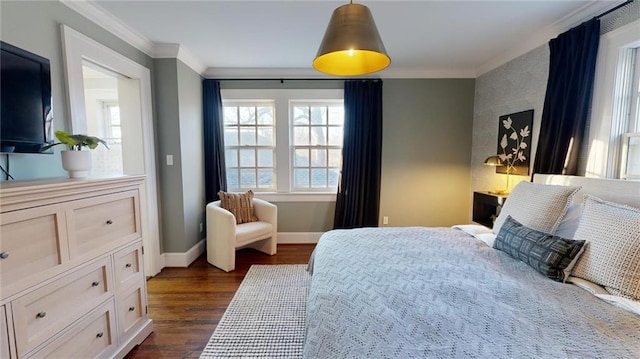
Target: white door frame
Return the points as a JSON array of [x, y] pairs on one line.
[[78, 47]]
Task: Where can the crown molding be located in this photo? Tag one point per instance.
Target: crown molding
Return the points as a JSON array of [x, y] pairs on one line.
[[112, 24], [104, 19], [309, 73], [542, 37]]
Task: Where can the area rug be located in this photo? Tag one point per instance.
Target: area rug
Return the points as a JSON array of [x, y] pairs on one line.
[[265, 318]]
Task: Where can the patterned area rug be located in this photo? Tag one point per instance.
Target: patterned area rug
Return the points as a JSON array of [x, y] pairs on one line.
[[265, 318]]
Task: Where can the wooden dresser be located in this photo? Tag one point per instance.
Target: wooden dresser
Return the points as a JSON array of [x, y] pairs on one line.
[[72, 281]]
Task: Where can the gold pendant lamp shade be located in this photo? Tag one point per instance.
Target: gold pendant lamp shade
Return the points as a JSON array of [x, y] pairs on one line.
[[351, 45]]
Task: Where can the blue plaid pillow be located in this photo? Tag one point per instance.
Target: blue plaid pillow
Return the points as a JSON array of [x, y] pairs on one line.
[[550, 255]]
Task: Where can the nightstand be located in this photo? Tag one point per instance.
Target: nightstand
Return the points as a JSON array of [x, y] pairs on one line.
[[486, 206]]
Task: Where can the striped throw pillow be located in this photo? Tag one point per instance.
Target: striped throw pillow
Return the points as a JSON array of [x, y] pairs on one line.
[[239, 204]]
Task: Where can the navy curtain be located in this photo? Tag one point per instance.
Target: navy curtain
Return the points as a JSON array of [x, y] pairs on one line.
[[214, 164], [568, 99], [358, 199]]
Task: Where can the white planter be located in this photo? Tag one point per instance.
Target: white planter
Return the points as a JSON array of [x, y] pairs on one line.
[[77, 163]]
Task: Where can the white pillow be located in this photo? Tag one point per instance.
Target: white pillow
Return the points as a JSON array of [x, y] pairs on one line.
[[537, 206], [569, 223], [612, 256]]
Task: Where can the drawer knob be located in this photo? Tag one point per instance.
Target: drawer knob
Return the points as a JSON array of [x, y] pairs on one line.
[[4, 255], [95, 284], [128, 265], [131, 309], [99, 335], [41, 315], [109, 221]]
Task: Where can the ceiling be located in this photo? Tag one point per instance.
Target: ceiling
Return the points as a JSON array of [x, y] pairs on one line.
[[280, 38]]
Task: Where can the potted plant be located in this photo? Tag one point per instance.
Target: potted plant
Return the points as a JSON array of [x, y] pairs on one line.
[[76, 161]]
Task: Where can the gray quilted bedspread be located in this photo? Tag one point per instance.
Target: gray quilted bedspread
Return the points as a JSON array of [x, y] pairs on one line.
[[438, 293]]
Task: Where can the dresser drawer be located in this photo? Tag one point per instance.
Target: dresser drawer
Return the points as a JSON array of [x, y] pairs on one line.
[[103, 223], [51, 308], [128, 267], [32, 242], [132, 310], [91, 337]]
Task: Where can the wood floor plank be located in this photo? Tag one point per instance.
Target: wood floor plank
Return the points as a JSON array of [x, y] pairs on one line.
[[186, 304]]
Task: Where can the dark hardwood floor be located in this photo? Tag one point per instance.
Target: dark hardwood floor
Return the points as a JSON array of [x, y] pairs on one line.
[[186, 304]]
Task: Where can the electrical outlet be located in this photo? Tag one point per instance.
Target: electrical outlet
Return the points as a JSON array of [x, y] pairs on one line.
[[385, 220], [201, 227]]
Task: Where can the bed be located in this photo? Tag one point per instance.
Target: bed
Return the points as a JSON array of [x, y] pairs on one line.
[[418, 292]]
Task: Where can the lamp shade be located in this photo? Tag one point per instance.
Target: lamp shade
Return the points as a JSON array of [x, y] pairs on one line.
[[493, 161], [351, 45]]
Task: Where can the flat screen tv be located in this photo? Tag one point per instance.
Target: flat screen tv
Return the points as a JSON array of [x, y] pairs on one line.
[[26, 119]]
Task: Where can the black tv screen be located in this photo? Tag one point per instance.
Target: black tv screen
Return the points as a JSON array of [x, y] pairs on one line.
[[26, 118]]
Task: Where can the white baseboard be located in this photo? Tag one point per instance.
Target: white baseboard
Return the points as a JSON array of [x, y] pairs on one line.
[[299, 237], [176, 259]]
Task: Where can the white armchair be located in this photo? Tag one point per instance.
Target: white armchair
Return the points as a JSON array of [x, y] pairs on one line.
[[224, 236]]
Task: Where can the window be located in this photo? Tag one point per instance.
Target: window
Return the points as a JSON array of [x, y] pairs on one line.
[[615, 109], [283, 141], [317, 145], [249, 137]]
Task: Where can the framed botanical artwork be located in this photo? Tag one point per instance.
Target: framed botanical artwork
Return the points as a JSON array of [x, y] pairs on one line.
[[514, 142]]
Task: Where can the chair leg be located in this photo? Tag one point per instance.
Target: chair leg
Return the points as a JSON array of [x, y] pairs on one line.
[[268, 246], [222, 256]]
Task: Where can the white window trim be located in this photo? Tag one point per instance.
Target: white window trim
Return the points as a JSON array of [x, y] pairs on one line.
[[599, 161], [281, 97]]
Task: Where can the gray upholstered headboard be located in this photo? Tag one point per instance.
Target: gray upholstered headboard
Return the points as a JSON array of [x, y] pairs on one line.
[[614, 190]]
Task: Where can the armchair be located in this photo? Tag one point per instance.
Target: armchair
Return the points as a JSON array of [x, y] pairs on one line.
[[224, 236]]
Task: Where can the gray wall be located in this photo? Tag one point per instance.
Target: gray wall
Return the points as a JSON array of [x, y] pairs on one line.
[[178, 94], [35, 27], [516, 86], [425, 154], [192, 153], [426, 151]]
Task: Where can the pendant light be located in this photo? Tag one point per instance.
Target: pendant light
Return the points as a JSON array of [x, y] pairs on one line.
[[351, 45]]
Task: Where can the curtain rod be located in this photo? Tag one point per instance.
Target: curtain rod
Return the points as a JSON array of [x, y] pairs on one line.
[[614, 9], [282, 80]]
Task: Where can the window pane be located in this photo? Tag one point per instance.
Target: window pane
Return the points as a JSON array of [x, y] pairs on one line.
[[318, 115], [336, 115], [301, 115], [247, 136], [335, 136], [248, 178], [232, 178], [318, 135], [301, 178], [334, 174], [265, 158], [230, 115], [265, 136], [231, 158], [265, 115], [301, 136], [301, 157], [335, 157], [319, 158], [247, 115], [265, 178], [230, 136], [318, 177], [247, 158]]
